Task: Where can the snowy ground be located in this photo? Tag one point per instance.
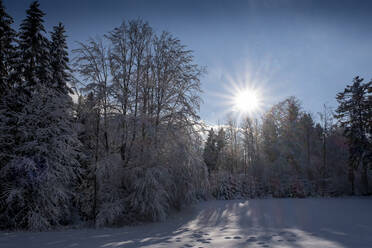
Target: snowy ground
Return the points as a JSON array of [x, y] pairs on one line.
[[293, 223]]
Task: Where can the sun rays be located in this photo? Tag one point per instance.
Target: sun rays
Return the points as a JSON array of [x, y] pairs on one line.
[[246, 101]]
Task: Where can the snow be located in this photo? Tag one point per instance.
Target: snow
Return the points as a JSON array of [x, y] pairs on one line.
[[311, 222]]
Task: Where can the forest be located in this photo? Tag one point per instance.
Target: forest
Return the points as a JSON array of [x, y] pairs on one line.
[[109, 134]]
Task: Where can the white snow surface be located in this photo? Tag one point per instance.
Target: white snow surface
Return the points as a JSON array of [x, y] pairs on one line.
[[311, 222]]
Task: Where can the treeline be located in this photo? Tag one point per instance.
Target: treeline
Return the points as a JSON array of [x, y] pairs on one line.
[[287, 154]]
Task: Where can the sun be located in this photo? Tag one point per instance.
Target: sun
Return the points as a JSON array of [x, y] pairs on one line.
[[246, 101]]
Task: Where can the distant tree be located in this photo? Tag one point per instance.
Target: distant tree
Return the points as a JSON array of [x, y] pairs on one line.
[[221, 144], [210, 154], [326, 118], [270, 137], [290, 111], [354, 114], [249, 143], [306, 125]]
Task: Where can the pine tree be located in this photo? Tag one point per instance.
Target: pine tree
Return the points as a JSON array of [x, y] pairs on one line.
[[354, 114], [34, 49], [7, 50], [59, 60]]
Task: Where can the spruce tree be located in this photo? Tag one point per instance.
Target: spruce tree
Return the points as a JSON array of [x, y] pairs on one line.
[[59, 60], [34, 49], [210, 151], [39, 178], [354, 116], [41, 174], [306, 125], [7, 50], [221, 141], [8, 100]]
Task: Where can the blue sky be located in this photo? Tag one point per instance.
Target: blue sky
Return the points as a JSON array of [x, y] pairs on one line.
[[309, 49]]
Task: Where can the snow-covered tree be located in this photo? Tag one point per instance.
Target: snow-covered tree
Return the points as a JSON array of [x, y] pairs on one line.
[[39, 178], [210, 154], [354, 114], [146, 92], [250, 155], [40, 170]]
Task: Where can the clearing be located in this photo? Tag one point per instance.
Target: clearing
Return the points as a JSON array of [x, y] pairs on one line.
[[311, 222]]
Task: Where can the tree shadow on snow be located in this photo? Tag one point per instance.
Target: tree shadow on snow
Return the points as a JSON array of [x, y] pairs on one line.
[[294, 223]]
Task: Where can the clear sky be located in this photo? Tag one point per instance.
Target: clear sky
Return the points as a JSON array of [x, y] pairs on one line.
[[309, 49]]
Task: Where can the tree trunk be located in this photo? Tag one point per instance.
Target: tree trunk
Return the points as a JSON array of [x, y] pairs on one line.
[[351, 178], [95, 172], [365, 178], [324, 170]]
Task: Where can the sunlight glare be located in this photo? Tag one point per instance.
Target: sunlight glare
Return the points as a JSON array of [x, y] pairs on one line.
[[246, 101]]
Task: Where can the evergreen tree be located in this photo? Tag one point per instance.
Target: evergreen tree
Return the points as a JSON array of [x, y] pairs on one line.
[[289, 132], [59, 60], [210, 154], [7, 56], [354, 114], [221, 142], [39, 178], [34, 49], [41, 167], [306, 125], [8, 98], [7, 50], [270, 137]]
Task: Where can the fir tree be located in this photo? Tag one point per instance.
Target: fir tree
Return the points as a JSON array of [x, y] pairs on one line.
[[34, 48], [8, 100], [221, 141], [7, 49], [210, 151], [59, 60], [306, 124], [354, 114], [38, 180]]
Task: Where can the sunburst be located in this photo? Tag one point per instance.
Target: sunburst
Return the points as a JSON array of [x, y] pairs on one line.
[[246, 101]]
